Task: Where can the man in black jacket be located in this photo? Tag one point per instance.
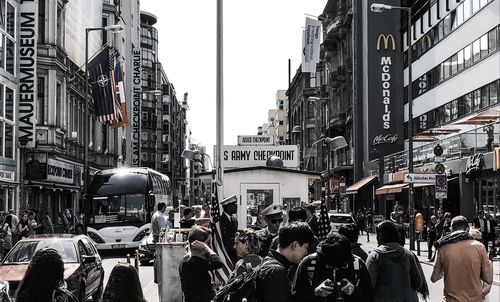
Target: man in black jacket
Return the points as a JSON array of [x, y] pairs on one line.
[[352, 233], [229, 225], [333, 273], [273, 284]]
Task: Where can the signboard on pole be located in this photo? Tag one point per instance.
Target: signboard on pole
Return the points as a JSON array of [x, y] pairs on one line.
[[420, 178], [253, 156], [441, 186], [28, 36], [251, 140]]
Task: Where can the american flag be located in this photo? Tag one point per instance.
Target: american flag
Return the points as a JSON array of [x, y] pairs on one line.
[[220, 275], [324, 226], [116, 77]]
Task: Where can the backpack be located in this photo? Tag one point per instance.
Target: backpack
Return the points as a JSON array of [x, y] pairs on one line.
[[242, 286]]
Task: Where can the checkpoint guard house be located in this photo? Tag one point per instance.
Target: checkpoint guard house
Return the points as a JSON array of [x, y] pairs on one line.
[[257, 184]]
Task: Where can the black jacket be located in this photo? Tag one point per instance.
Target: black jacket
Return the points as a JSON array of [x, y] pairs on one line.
[[305, 282], [228, 228], [394, 273], [195, 278], [273, 283]]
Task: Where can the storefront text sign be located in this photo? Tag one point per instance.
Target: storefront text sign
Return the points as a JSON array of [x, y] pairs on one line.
[[475, 163], [6, 175], [60, 172], [253, 156]]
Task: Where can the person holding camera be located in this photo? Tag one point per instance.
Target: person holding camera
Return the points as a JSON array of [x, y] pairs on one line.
[[333, 273]]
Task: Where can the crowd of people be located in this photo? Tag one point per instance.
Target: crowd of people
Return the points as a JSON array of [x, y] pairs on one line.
[[287, 262]]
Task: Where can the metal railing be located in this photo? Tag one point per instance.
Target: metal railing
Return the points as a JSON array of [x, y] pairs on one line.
[[455, 147]]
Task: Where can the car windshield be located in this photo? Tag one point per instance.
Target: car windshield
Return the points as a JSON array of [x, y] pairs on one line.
[[341, 219], [24, 250]]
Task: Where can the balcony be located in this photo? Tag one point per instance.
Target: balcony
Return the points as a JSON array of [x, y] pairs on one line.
[[455, 147]]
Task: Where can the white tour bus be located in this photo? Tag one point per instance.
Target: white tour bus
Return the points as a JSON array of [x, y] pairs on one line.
[[120, 204]]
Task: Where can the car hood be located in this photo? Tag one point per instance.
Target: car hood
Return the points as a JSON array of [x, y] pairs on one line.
[[15, 273]]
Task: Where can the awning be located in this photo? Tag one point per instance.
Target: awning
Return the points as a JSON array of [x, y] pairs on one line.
[[419, 185], [485, 117], [390, 189], [353, 189]]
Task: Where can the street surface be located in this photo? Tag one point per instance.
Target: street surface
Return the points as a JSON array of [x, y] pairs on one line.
[[150, 289]]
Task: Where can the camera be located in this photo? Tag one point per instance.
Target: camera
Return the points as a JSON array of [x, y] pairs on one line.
[[337, 285]]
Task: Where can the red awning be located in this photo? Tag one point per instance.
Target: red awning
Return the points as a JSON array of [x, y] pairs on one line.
[[353, 189], [390, 189]]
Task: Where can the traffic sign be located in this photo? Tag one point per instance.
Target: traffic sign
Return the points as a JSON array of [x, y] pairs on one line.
[[439, 169], [441, 186], [438, 150], [419, 178]]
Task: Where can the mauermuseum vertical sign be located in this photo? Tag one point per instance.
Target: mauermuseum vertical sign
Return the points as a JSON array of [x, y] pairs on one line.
[[28, 31], [385, 82], [135, 132]]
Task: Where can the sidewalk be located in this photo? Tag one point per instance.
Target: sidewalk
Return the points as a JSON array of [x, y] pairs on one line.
[[372, 244]]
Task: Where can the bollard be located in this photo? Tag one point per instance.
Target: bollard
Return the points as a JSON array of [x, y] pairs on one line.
[[418, 243], [128, 258], [136, 260]]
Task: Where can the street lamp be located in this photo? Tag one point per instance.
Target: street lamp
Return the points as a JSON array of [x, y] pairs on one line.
[[337, 142], [191, 156], [379, 8], [113, 28]]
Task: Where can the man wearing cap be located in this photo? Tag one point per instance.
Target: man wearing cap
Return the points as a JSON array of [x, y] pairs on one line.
[[229, 225], [273, 215]]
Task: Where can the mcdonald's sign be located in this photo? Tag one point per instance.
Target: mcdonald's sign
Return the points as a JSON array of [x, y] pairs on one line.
[[386, 39]]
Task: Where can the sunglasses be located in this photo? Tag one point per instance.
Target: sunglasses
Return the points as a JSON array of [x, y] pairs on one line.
[[277, 220]]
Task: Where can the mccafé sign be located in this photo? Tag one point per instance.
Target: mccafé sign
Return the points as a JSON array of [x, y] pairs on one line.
[[385, 83]]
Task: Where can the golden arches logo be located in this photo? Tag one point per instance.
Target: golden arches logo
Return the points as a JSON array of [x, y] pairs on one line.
[[386, 39]]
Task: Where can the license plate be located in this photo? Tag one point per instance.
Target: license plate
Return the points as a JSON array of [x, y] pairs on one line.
[[118, 246]]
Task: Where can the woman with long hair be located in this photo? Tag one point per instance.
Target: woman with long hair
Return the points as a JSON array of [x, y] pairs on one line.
[[43, 279], [123, 285]]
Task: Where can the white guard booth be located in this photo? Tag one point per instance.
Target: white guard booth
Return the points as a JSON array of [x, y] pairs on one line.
[[258, 187]]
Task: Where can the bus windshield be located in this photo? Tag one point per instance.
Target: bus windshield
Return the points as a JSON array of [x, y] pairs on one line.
[[119, 209]]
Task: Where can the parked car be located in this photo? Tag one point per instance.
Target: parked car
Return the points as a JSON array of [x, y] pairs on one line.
[[339, 219], [147, 250], [83, 271]]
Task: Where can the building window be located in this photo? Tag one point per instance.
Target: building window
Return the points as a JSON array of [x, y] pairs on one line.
[[494, 92], [468, 56], [460, 60], [492, 40], [467, 9], [10, 57], [477, 99], [467, 104], [41, 21], [11, 20], [475, 6], [7, 125], [485, 96], [484, 46], [59, 110], [476, 50], [40, 117]]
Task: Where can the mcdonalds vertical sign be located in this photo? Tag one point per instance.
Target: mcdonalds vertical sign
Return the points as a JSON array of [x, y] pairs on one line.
[[385, 82]]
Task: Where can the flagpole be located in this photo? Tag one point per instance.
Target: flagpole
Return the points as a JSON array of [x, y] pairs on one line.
[[220, 98]]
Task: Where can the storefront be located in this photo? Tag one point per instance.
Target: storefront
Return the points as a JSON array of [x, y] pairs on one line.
[[8, 189], [52, 185]]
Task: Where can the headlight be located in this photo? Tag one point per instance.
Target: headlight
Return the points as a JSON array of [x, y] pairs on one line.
[[96, 238], [141, 235]]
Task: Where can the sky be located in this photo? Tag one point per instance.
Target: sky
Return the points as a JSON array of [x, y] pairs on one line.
[[259, 38]]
